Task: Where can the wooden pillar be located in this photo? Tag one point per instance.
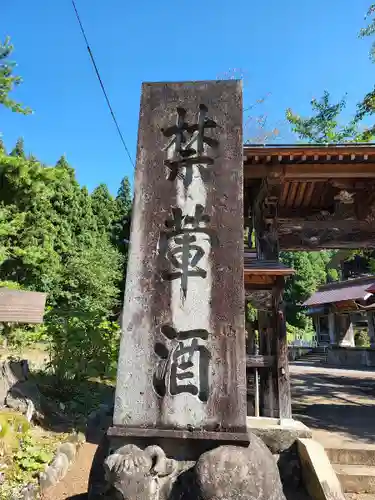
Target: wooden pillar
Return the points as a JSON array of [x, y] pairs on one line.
[[370, 328], [332, 328], [275, 397], [283, 377], [250, 334], [269, 406], [316, 323]]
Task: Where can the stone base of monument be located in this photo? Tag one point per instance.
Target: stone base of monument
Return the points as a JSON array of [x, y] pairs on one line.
[[278, 434], [169, 465], [281, 437]]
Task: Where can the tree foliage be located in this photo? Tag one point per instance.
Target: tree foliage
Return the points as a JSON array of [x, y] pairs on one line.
[[324, 127], [8, 80], [369, 30], [57, 238], [19, 149], [311, 271]]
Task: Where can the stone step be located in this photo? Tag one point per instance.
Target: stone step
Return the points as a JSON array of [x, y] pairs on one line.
[[356, 478], [352, 456], [359, 496]]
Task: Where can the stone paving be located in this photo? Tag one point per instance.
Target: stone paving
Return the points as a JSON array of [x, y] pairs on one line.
[[337, 404]]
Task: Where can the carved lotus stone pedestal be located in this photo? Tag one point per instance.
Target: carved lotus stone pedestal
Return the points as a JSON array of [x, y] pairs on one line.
[[226, 472]]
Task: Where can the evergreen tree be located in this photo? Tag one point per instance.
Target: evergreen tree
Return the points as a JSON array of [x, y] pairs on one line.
[[121, 226], [2, 147], [122, 223], [63, 163], [19, 149], [8, 81], [310, 273], [51, 241], [32, 159], [104, 208]]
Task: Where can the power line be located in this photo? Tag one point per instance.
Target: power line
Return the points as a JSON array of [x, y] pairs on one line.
[[101, 84]]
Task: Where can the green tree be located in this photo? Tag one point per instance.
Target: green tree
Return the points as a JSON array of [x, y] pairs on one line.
[[369, 30], [2, 147], [310, 273], [324, 127], [51, 240], [121, 226], [8, 81], [104, 208], [19, 149], [62, 162], [121, 229], [366, 106]]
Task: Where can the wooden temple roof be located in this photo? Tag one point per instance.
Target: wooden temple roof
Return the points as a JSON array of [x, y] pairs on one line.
[[325, 194], [340, 291]]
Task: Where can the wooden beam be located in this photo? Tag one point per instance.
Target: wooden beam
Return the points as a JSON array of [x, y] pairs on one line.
[[300, 195], [259, 361], [285, 271], [308, 194], [284, 193], [292, 194], [294, 243], [334, 149], [287, 213], [315, 171], [289, 225]]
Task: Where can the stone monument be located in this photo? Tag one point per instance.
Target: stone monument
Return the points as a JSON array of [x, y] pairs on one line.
[[179, 424]]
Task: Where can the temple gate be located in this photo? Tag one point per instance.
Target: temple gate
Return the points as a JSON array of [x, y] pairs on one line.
[[308, 197]]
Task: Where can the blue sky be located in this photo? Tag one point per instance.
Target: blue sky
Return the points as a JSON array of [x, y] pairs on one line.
[[290, 50]]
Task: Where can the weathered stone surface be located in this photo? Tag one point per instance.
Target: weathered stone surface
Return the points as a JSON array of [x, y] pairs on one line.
[[278, 435], [184, 299], [11, 373], [54, 472], [29, 492], [318, 474], [69, 449], [234, 473], [224, 473], [138, 474], [65, 455], [290, 468], [180, 403]]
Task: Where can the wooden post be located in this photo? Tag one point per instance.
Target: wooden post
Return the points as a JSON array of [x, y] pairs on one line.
[[370, 328], [272, 333], [256, 382], [283, 378], [268, 378], [250, 350], [331, 328]]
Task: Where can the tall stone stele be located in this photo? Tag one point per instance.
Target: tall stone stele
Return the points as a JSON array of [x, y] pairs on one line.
[[180, 404]]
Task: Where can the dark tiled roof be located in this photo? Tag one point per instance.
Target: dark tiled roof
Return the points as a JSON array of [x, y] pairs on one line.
[[343, 290]]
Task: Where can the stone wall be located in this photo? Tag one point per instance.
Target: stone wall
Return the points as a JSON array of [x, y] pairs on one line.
[[351, 356]]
